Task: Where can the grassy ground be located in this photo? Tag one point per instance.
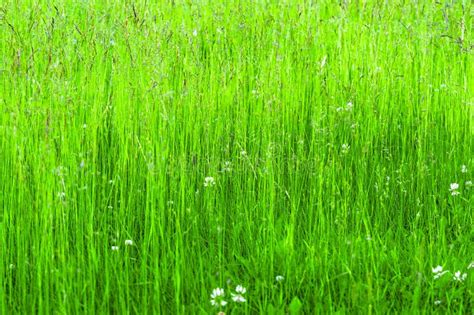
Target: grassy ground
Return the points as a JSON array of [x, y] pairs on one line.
[[320, 143]]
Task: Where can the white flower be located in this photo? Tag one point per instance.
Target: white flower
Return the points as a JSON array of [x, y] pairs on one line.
[[471, 265], [209, 181], [459, 277], [115, 248], [195, 33], [243, 153], [238, 298], [279, 278], [437, 302], [218, 292], [217, 297], [349, 106], [345, 147], [227, 166], [454, 186], [240, 289], [454, 189], [468, 183], [437, 269], [128, 242], [463, 169]]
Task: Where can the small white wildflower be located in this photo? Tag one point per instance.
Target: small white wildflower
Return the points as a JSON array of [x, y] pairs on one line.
[[459, 277], [115, 248], [84, 126], [82, 164], [279, 278], [240, 289], [463, 169], [112, 42], [243, 153], [468, 183], [437, 302], [209, 181], [453, 188], [218, 292], [349, 106], [471, 265], [217, 297], [195, 33], [368, 238], [238, 298], [227, 167], [128, 242], [437, 269], [11, 266], [345, 148]]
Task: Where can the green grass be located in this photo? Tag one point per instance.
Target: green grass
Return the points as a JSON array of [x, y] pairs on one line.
[[113, 113]]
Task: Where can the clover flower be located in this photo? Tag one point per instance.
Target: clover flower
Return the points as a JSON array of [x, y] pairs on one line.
[[238, 297], [438, 272], [209, 181], [453, 188], [345, 148], [459, 277], [217, 297]]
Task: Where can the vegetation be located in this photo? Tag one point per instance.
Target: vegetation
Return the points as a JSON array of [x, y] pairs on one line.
[[317, 153]]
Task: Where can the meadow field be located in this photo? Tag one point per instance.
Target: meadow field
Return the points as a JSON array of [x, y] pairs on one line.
[[236, 157]]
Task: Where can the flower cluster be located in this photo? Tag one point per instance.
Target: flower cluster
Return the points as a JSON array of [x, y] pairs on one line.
[[460, 277], [453, 188], [438, 272], [218, 296], [345, 148], [209, 181], [347, 108]]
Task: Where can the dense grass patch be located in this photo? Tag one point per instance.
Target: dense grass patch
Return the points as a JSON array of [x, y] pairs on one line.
[[320, 154]]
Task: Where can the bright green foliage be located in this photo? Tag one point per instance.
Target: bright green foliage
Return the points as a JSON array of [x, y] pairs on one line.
[[332, 131]]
